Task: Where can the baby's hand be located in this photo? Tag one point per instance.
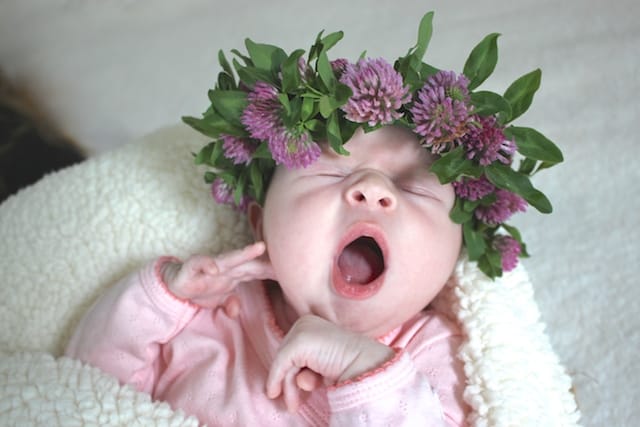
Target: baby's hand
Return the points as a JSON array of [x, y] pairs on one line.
[[317, 351], [209, 281]]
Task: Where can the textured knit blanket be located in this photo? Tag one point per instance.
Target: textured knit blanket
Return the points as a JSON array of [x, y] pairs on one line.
[[77, 231]]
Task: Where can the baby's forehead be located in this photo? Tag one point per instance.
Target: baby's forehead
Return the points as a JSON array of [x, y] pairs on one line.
[[399, 146]]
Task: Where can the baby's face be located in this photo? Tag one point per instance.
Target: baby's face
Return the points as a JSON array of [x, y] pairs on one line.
[[364, 240]]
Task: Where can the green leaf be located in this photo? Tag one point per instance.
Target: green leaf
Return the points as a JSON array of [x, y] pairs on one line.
[[265, 57], [290, 72], [410, 77], [251, 75], [411, 66], [262, 152], [224, 63], [215, 153], [527, 166], [331, 40], [226, 82], [488, 103], [470, 205], [247, 61], [292, 119], [325, 106], [520, 93], [427, 71], [458, 214], [209, 177], [229, 104], [474, 241], [239, 189], [256, 179], [490, 263], [451, 165], [544, 165], [315, 126], [315, 49], [333, 134], [328, 104], [204, 153], [283, 98], [308, 109], [503, 176], [482, 61], [347, 129], [534, 145], [213, 125], [324, 43], [425, 30], [342, 94], [325, 71]]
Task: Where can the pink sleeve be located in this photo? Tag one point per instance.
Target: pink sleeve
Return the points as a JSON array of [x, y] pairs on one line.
[[422, 385], [123, 331]]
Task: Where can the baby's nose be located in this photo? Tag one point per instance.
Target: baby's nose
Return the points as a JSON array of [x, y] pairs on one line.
[[373, 191]]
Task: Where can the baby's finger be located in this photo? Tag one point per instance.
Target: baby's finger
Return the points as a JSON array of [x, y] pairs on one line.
[[276, 377], [232, 306], [229, 260], [308, 380], [291, 391], [256, 269]]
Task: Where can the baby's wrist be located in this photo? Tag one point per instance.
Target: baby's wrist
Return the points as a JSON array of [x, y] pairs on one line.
[[367, 361]]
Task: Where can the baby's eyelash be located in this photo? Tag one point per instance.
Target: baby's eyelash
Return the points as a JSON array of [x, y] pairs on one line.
[[419, 191], [332, 174]]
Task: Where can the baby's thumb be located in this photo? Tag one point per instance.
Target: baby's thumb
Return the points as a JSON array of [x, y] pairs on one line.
[[232, 306], [308, 380]]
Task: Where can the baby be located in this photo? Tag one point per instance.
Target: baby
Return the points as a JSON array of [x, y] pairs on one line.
[[358, 245], [361, 183]]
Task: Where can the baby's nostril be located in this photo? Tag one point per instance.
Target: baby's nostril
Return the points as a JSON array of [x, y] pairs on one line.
[[359, 197], [385, 202]]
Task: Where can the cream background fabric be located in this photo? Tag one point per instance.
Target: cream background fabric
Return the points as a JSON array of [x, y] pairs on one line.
[[109, 72]]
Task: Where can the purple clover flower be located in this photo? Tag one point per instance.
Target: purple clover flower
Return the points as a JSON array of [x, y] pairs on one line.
[[509, 249], [261, 117], [291, 147], [339, 66], [294, 151], [441, 111], [486, 142], [223, 194], [506, 204], [239, 150], [378, 92], [473, 189]]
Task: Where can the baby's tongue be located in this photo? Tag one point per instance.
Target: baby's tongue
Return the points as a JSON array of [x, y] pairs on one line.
[[359, 262]]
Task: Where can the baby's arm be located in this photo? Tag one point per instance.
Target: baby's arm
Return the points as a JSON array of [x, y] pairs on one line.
[[124, 331]]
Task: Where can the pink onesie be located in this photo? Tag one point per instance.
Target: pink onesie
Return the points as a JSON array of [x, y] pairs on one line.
[[215, 367]]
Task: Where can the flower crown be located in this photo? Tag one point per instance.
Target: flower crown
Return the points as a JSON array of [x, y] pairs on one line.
[[280, 105]]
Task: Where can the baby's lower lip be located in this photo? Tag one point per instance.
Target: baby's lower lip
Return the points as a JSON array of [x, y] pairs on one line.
[[355, 290]]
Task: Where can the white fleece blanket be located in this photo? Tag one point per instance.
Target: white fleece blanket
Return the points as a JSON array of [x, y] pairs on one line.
[[78, 230]]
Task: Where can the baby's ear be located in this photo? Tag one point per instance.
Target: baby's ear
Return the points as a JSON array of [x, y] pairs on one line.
[[254, 214]]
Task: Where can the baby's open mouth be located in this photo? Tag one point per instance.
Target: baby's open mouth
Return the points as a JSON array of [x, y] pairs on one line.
[[359, 267], [361, 262]]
